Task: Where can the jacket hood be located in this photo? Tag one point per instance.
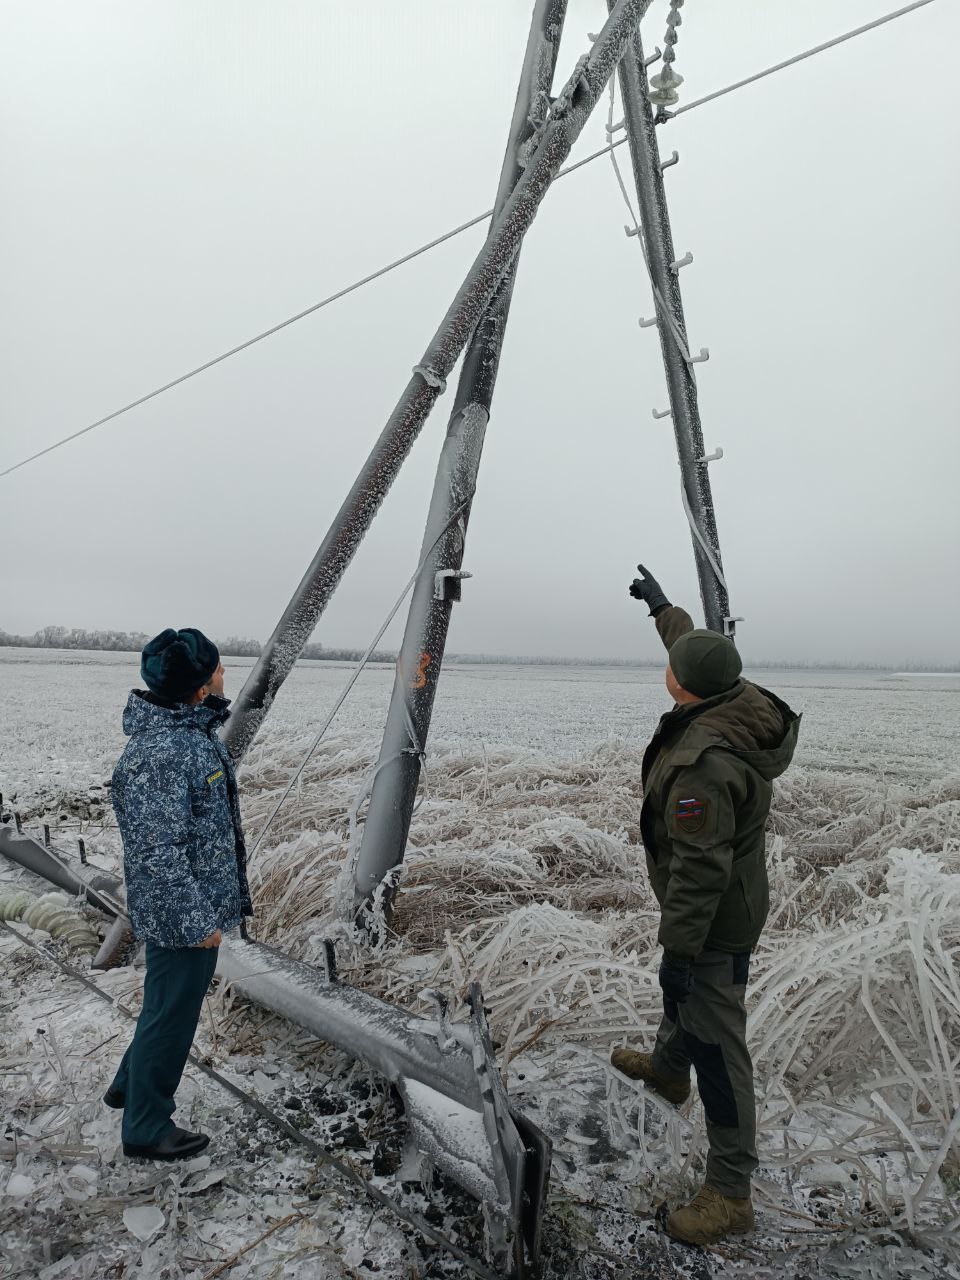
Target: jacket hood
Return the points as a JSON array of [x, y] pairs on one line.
[[751, 722], [144, 715]]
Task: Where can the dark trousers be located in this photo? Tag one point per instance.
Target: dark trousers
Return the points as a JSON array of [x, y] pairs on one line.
[[709, 1031], [149, 1072]]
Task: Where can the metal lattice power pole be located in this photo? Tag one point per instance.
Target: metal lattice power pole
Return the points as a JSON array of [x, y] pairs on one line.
[[681, 380], [438, 586], [568, 116]]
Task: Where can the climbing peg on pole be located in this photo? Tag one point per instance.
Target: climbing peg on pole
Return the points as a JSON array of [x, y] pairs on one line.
[[702, 358], [681, 262], [660, 413], [712, 457], [668, 164], [646, 323]]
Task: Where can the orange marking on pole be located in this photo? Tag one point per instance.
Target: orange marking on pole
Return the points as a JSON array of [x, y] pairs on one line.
[[420, 679]]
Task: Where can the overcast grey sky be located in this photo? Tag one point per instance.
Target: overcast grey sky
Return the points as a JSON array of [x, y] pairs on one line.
[[180, 175]]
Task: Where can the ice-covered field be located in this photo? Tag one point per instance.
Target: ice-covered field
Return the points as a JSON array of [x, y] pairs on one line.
[[523, 871]]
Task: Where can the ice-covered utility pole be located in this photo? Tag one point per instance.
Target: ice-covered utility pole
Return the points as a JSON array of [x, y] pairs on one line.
[[681, 382], [565, 122], [438, 586]]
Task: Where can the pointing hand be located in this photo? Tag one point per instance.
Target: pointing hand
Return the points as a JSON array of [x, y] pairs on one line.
[[648, 589]]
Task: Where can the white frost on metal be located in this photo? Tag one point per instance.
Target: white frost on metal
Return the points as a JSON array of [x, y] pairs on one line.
[[453, 1136]]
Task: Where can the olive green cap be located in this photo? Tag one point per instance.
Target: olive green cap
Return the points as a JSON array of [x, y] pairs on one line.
[[705, 663]]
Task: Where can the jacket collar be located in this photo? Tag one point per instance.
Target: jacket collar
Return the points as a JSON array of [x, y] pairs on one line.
[[146, 712], [681, 716]]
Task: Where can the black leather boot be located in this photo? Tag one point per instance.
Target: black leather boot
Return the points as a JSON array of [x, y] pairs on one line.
[[178, 1144]]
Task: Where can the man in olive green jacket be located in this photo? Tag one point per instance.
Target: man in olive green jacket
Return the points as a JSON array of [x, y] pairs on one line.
[[707, 785]]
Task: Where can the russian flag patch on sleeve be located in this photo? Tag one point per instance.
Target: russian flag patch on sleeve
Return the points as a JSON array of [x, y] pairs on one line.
[[690, 815]]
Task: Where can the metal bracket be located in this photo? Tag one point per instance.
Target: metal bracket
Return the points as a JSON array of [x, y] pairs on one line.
[[564, 99], [681, 262], [730, 626], [712, 457], [702, 358], [668, 164], [431, 378], [653, 57], [329, 959], [446, 1038], [661, 413], [631, 231], [446, 583], [646, 323]]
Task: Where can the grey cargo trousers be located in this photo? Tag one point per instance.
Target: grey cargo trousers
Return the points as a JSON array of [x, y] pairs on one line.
[[709, 1031]]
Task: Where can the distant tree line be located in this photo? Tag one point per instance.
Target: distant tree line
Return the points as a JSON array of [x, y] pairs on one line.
[[78, 638], [243, 647], [133, 642]]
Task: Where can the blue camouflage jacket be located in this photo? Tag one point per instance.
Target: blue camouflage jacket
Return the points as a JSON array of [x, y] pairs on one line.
[[175, 797]]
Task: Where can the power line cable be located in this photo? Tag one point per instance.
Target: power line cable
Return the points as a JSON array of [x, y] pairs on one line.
[[267, 333], [808, 53], [449, 235]]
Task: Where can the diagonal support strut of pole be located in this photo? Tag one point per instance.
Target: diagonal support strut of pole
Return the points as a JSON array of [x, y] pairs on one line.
[[397, 775], [568, 116], [681, 381]]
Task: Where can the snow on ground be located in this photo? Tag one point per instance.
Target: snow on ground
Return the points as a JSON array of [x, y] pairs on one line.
[[523, 871]]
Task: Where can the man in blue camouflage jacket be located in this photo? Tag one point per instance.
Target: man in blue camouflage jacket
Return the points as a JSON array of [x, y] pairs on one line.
[[175, 797]]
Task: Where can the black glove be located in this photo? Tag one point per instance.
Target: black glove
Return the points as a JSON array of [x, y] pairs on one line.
[[648, 589], [676, 977]]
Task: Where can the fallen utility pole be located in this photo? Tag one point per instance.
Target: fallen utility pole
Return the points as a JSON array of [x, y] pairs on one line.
[[681, 382], [395, 782], [456, 1107], [321, 1154], [101, 890], [568, 115]]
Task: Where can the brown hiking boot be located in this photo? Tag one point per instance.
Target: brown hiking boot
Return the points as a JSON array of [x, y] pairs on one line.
[[709, 1217], [639, 1066]]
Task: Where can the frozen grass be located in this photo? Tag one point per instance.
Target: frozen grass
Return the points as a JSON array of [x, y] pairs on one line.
[[524, 869], [526, 873]]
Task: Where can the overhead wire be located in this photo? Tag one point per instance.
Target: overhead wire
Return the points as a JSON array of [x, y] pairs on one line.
[[449, 235], [800, 57]]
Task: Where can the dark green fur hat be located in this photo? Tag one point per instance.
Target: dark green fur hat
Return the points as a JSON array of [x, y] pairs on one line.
[[175, 664]]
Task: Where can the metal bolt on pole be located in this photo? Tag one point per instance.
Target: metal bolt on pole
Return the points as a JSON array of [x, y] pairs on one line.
[[681, 383], [568, 116], [418, 669]]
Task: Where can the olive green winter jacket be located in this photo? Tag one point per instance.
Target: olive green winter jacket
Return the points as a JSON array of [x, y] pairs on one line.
[[707, 777]]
